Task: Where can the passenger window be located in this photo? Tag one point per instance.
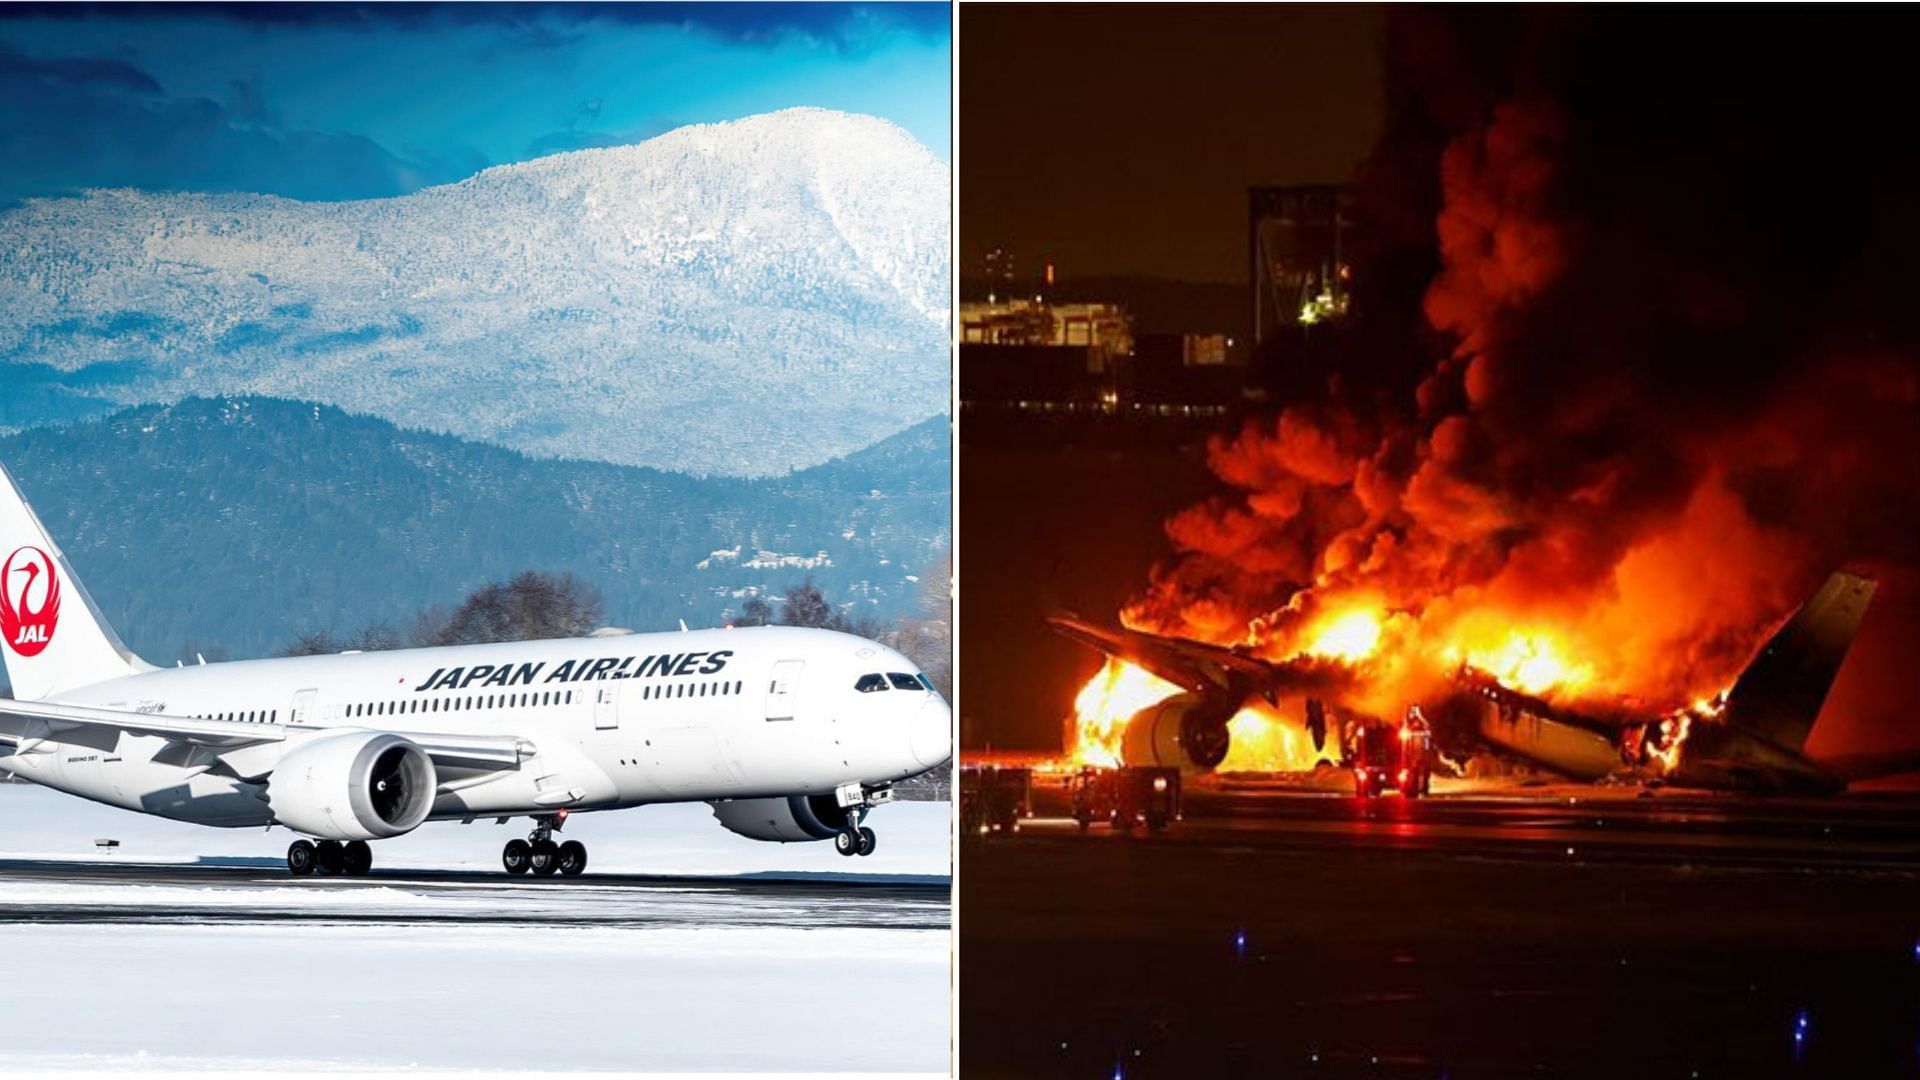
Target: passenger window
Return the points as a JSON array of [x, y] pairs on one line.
[[871, 683], [902, 681]]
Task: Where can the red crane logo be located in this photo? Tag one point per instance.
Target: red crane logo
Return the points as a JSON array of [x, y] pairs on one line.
[[27, 576]]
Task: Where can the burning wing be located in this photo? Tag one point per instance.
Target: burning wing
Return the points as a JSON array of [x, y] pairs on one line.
[[1199, 668]]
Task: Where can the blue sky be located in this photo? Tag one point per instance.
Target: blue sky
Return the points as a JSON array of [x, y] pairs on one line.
[[355, 101]]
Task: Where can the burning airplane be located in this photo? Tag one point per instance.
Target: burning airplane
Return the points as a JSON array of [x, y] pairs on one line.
[[1167, 701]]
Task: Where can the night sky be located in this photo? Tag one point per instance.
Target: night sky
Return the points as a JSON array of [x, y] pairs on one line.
[[1120, 139]]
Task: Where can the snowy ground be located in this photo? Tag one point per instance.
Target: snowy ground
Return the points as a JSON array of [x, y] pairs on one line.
[[258, 972]]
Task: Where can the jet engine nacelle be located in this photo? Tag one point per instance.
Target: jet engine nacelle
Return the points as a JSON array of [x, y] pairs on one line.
[[363, 785], [1187, 731], [783, 819]]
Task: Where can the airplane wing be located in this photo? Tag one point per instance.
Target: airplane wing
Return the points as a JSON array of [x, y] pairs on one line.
[[1202, 668], [23, 723]]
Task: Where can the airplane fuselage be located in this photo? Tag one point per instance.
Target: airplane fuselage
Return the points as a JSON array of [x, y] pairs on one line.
[[606, 722]]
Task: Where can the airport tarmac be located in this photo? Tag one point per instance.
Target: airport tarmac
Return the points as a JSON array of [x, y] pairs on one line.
[[682, 948], [51, 891], [1562, 931]]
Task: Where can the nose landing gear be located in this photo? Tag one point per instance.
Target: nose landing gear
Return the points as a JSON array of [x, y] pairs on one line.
[[854, 838], [855, 800], [540, 856]]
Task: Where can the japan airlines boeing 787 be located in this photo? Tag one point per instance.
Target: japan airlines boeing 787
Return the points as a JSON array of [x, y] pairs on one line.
[[789, 734]]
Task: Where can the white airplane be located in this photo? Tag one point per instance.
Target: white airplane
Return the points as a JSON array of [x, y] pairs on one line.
[[790, 734]]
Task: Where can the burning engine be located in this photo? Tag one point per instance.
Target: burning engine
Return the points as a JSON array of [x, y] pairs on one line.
[[1187, 731], [353, 786], [785, 820]]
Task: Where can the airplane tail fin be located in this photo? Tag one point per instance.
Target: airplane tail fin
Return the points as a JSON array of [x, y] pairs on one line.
[[52, 636], [1779, 695]]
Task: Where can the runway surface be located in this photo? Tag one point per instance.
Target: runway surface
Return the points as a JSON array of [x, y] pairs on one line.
[[125, 967], [683, 948], [49, 891], [1561, 932], [1599, 824]]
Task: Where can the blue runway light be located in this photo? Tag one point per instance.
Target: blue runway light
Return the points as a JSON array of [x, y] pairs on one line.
[[1240, 941]]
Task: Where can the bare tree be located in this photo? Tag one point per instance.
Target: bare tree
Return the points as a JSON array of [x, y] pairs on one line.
[[928, 640], [380, 637], [806, 606], [530, 607], [755, 612], [316, 643]]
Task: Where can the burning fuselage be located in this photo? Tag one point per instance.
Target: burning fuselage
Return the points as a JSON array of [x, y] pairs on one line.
[[1166, 701]]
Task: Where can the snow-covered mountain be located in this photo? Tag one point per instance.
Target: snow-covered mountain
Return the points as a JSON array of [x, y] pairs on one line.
[[739, 298]]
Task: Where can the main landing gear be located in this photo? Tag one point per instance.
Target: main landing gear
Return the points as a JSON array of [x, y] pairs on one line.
[[540, 856], [354, 859]]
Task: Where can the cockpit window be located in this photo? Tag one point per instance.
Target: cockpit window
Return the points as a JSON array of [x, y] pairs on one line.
[[870, 683], [903, 681], [926, 682]]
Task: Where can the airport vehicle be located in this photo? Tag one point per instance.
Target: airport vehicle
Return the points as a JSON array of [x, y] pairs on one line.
[[1127, 797], [1755, 741], [994, 798], [789, 734], [1385, 759]]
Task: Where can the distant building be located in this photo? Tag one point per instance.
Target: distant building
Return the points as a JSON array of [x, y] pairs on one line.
[[1299, 245], [1182, 369], [1104, 329], [999, 275], [1029, 356]]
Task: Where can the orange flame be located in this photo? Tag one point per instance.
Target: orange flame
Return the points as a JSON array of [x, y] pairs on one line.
[[1532, 663], [1351, 636], [1103, 706], [1266, 741]]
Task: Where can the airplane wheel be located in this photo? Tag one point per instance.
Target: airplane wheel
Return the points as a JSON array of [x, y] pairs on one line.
[[515, 855], [573, 858], [300, 858], [356, 859], [326, 857], [846, 842], [867, 841], [544, 858]]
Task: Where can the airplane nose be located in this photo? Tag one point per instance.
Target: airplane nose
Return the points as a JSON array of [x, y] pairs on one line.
[[932, 736]]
